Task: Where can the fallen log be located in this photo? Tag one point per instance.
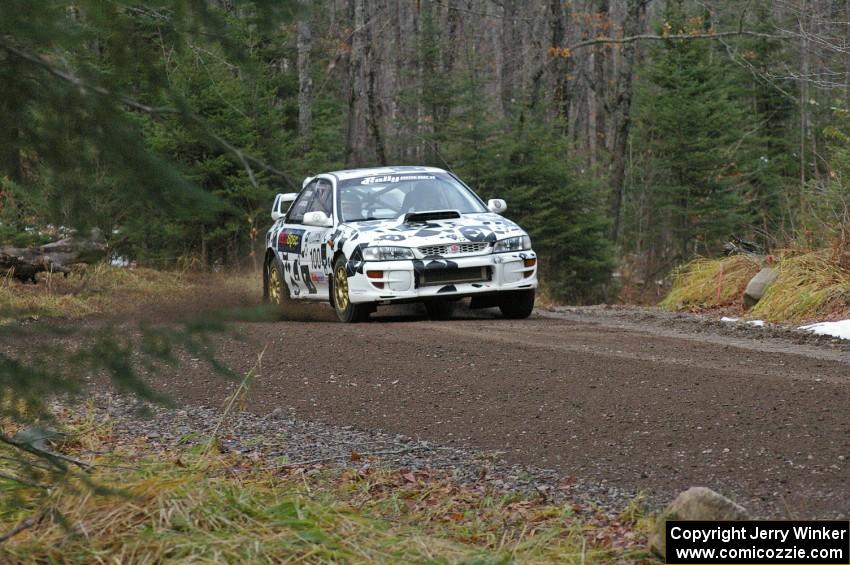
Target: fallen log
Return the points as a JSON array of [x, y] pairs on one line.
[[24, 263]]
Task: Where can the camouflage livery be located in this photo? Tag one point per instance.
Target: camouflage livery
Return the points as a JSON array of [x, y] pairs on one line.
[[443, 244]]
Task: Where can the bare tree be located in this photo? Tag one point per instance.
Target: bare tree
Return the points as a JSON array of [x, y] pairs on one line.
[[356, 139], [621, 112], [305, 80]]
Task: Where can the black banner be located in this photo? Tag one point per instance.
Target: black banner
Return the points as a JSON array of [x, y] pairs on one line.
[[813, 542]]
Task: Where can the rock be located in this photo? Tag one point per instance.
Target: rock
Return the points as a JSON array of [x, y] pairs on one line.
[[37, 437], [758, 285], [696, 503]]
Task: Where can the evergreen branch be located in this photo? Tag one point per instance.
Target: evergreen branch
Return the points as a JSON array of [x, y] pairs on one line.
[[756, 73], [245, 159], [78, 82]]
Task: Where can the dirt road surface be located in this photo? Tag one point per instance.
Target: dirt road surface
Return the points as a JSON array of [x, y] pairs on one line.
[[632, 406]]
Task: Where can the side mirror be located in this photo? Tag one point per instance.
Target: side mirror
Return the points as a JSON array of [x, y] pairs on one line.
[[281, 205], [497, 205], [318, 220]]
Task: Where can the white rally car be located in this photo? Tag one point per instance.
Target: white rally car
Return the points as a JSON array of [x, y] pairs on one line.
[[368, 237]]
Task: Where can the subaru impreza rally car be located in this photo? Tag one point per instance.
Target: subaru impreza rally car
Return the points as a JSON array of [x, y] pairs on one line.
[[368, 237]]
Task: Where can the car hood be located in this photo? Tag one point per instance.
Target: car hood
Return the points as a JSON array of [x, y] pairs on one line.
[[397, 231]]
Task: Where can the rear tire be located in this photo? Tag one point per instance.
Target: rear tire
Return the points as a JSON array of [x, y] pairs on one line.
[[439, 309], [346, 310], [517, 304]]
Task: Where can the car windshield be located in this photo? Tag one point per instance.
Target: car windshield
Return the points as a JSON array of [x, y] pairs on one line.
[[378, 197]]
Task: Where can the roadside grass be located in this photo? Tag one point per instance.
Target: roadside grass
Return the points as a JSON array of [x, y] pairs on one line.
[[104, 289], [710, 283], [96, 289], [205, 506], [811, 286]]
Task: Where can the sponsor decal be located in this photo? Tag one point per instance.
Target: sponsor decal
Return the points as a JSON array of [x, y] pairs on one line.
[[290, 241], [318, 278], [392, 178]]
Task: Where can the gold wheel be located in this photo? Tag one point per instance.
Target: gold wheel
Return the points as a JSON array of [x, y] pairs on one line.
[[341, 288], [275, 295]]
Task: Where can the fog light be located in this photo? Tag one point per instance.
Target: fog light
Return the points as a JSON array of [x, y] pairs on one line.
[[376, 275]]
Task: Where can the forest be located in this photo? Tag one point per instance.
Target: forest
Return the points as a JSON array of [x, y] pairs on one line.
[[628, 136]]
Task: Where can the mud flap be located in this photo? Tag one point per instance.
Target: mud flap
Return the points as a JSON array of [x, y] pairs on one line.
[[486, 301]]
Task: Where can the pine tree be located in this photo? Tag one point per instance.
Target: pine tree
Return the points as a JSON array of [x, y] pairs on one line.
[[81, 84], [85, 90], [561, 205], [770, 124], [688, 128]]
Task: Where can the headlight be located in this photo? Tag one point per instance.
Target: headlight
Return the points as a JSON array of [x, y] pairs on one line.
[[387, 253], [519, 243]]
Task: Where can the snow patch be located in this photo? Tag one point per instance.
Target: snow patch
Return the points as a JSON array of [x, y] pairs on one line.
[[840, 329], [756, 323]]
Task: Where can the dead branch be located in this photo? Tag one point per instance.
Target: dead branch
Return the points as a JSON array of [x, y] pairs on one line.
[[24, 263], [25, 524], [675, 36], [19, 480]]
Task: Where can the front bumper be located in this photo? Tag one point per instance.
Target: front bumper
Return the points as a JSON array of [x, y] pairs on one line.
[[396, 281]]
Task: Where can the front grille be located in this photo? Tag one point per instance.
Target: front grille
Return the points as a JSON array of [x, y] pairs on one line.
[[448, 251], [451, 276]]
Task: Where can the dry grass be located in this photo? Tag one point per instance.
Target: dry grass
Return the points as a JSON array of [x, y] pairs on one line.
[[810, 287], [182, 506], [711, 283], [97, 289], [104, 289]]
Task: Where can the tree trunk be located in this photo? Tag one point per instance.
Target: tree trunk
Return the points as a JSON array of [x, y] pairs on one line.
[[509, 66], [599, 88], [375, 114], [305, 82], [621, 117], [560, 66], [355, 141]]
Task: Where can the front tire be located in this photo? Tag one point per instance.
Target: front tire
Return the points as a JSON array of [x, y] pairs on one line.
[[517, 304], [275, 290], [346, 310]]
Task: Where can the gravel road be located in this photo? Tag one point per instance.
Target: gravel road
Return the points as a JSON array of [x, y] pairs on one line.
[[615, 401], [595, 403]]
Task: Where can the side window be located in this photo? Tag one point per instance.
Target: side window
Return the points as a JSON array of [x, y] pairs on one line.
[[323, 198], [301, 204]]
